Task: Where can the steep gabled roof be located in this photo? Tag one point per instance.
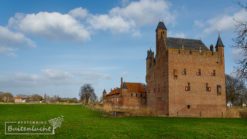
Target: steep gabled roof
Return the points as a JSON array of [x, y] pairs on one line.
[[189, 44], [219, 42], [132, 88], [135, 87], [161, 25]]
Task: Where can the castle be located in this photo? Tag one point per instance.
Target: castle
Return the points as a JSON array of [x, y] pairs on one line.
[[184, 78]]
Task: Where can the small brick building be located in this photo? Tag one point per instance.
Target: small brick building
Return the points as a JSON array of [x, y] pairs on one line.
[[185, 78], [128, 96]]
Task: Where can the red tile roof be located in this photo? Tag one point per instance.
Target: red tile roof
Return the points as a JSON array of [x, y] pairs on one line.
[[135, 87], [132, 88]]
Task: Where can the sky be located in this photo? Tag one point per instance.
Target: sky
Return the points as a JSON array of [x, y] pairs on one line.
[[53, 47]]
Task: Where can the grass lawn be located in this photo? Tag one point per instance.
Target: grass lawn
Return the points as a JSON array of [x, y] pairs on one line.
[[81, 122]]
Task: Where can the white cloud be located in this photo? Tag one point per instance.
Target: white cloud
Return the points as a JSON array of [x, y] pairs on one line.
[[10, 41], [124, 2], [56, 74], [222, 22], [145, 12], [79, 24], [112, 23], [26, 77], [47, 77], [51, 25], [132, 16], [79, 13]]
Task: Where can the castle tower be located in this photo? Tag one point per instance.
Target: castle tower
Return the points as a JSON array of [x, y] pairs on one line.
[[123, 86], [161, 36], [103, 95], [185, 78], [124, 89], [149, 60], [219, 47]]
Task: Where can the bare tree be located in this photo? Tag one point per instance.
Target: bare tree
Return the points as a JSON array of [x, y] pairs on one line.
[[36, 97], [6, 97], [236, 91], [87, 94], [241, 43]]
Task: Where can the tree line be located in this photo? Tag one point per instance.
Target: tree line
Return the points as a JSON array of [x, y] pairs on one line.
[[8, 97]]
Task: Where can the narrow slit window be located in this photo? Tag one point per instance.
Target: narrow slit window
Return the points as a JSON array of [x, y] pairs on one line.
[[184, 71], [219, 90], [214, 73], [199, 72], [208, 89], [187, 88], [175, 74]]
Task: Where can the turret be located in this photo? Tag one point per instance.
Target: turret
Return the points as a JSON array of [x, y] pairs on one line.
[[219, 44], [161, 35], [103, 94], [220, 49], [124, 89], [121, 82], [212, 48], [149, 59]]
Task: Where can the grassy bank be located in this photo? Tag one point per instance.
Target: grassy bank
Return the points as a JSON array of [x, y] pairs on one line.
[[81, 122]]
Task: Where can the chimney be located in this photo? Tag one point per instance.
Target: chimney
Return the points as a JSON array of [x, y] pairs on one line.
[[121, 81]]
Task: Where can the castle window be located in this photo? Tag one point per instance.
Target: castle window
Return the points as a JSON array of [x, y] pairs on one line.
[[208, 89], [214, 73], [163, 32], [175, 74], [187, 88], [190, 52], [199, 72], [131, 94], [184, 72], [188, 106], [218, 90]]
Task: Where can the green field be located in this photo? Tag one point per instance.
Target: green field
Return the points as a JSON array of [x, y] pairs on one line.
[[81, 122]]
